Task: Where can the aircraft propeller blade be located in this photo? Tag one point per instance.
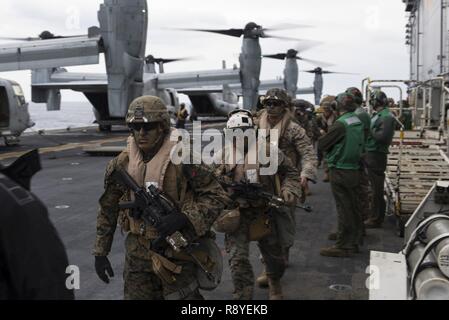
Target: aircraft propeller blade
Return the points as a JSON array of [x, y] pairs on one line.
[[306, 45], [268, 36], [334, 72], [46, 35], [279, 56], [151, 59], [228, 32], [328, 72], [286, 26], [315, 62]]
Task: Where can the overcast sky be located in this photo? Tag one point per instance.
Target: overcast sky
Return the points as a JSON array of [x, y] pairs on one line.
[[360, 36]]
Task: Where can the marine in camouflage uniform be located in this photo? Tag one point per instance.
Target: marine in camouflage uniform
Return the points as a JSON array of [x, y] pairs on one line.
[[304, 117], [303, 111], [324, 122], [148, 274], [295, 144], [256, 215]]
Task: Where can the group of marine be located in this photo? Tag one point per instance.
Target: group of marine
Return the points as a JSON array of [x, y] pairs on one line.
[[170, 212], [352, 146]]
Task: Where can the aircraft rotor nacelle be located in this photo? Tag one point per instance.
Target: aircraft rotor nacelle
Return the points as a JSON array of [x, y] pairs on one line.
[[291, 76], [318, 85], [123, 27], [250, 65]]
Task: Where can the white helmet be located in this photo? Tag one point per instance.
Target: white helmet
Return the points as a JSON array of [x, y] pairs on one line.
[[240, 119]]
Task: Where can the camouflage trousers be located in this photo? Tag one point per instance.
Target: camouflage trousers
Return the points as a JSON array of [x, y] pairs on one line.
[[237, 247], [142, 283], [286, 227]]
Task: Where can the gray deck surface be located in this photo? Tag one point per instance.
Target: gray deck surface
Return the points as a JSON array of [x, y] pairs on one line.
[[72, 178]]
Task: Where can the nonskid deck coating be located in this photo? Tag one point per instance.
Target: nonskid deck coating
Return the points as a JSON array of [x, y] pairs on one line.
[[72, 180]]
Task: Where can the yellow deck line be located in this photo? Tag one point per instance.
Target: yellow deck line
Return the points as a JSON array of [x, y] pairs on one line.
[[64, 147]]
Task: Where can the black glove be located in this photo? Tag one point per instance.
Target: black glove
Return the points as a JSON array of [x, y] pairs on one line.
[[102, 265], [172, 223]]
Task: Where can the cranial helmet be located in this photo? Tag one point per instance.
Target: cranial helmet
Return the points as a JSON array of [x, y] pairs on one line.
[[240, 119], [345, 102], [357, 95], [378, 98]]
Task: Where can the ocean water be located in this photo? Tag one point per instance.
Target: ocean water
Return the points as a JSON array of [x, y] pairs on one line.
[[71, 115]]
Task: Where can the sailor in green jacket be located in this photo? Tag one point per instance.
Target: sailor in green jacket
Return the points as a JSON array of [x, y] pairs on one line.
[[364, 191], [377, 146], [343, 145]]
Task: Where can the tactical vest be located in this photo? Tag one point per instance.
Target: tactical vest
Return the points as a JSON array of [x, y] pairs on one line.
[[371, 144], [160, 172], [250, 172], [346, 153], [286, 146]]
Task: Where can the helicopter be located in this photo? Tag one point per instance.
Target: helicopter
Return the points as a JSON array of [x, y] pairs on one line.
[[14, 115]]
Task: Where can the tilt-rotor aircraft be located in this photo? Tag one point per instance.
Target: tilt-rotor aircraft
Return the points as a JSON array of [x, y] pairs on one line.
[[251, 59], [291, 72], [121, 36]]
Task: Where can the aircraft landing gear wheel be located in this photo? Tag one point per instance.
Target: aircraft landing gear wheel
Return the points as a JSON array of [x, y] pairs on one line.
[[104, 128], [11, 141]]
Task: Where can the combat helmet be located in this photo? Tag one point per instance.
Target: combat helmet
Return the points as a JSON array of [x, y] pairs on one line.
[[148, 109], [278, 95], [327, 101], [302, 105]]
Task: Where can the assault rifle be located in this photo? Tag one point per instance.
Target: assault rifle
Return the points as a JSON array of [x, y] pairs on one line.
[[254, 191], [150, 206]]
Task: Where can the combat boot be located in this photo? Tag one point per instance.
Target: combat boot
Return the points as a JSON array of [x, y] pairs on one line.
[[262, 280], [275, 289], [372, 224], [245, 293], [337, 252], [307, 191], [286, 257], [332, 236]]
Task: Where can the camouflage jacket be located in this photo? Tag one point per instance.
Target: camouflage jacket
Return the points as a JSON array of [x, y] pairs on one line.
[[204, 201], [325, 123], [296, 143], [311, 127], [287, 172]]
